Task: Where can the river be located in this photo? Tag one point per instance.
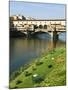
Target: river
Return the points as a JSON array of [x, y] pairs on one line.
[[24, 50]]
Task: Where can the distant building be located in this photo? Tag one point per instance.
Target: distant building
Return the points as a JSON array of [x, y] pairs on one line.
[[21, 17], [30, 18], [13, 18], [17, 17]]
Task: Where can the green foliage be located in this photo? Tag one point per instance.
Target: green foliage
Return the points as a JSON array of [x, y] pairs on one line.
[[18, 81], [27, 73], [14, 75], [15, 87], [34, 68], [38, 62], [50, 68], [37, 79], [19, 71]]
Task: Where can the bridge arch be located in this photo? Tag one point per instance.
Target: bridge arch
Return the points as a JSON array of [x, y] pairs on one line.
[[40, 26], [60, 32], [40, 32]]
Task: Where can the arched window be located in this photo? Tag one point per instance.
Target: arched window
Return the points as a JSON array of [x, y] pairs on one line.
[[40, 26], [45, 26]]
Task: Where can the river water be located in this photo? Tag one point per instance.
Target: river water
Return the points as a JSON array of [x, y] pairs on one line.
[[23, 50]]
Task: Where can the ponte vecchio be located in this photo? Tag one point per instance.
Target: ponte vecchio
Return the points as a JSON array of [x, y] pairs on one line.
[[50, 26]]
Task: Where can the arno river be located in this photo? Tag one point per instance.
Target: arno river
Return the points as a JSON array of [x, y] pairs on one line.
[[23, 50]]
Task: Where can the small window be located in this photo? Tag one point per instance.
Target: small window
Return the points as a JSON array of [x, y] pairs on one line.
[[45, 26]]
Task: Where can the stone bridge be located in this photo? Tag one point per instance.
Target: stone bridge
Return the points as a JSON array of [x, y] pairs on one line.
[[52, 27]]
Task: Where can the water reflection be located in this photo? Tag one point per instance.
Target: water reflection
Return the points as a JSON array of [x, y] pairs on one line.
[[54, 42], [23, 50]]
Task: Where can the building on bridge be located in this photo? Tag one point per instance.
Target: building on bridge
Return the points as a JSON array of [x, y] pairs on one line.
[[51, 26]]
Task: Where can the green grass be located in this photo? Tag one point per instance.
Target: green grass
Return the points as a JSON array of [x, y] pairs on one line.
[[51, 67]]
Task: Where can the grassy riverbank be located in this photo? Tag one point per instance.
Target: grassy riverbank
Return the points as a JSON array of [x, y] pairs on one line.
[[47, 70]]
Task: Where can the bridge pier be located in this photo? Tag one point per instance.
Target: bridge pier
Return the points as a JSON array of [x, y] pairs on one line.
[[29, 34], [54, 35]]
